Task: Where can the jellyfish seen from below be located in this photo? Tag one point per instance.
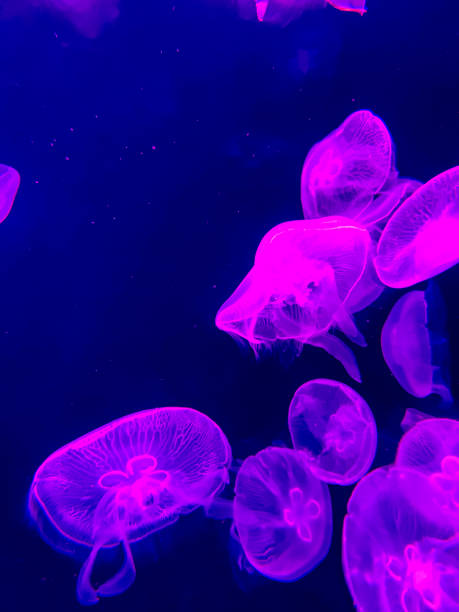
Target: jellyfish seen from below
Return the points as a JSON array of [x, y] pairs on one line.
[[413, 351], [126, 480], [9, 185], [304, 273], [395, 557], [342, 173], [420, 239], [282, 12], [282, 514], [335, 429]]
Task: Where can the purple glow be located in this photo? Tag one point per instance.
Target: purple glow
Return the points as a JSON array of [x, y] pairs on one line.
[[9, 185], [342, 173], [126, 480], [335, 428], [394, 556], [282, 12], [304, 273], [406, 346], [282, 514], [420, 239]]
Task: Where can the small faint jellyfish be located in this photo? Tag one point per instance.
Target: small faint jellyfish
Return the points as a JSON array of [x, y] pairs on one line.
[[9, 185], [414, 345], [282, 514], [124, 481], [282, 12], [420, 239], [335, 428]]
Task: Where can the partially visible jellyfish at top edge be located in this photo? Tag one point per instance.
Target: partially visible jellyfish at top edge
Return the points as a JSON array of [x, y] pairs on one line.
[[125, 480], [9, 185], [304, 274], [282, 514], [282, 12], [335, 429], [414, 343]]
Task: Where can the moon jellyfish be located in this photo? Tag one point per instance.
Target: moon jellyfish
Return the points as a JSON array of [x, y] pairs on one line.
[[282, 514], [342, 173], [410, 346], [282, 12], [9, 185], [125, 480], [395, 558], [335, 428], [304, 273], [420, 239]]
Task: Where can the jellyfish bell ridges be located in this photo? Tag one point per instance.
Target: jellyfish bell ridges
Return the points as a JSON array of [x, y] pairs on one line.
[[126, 480], [282, 514], [9, 185], [335, 429], [420, 239]]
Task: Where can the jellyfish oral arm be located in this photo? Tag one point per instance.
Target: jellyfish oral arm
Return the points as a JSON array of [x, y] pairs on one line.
[[337, 349]]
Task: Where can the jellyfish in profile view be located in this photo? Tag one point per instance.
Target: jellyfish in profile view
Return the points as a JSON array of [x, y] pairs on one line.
[[282, 514], [282, 12], [126, 480], [342, 173], [335, 428], [304, 273], [420, 239], [395, 556], [9, 185], [414, 352]]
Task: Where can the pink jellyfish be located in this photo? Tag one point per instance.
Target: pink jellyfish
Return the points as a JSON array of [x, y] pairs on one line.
[[342, 173], [304, 273], [408, 345], [335, 428], [420, 239], [282, 514], [282, 12], [126, 480], [9, 185], [395, 558]]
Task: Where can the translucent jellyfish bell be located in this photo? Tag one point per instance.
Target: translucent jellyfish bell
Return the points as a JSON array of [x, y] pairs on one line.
[[126, 480], [342, 173], [420, 239], [282, 514], [9, 185], [335, 428], [394, 556], [410, 347], [304, 273]]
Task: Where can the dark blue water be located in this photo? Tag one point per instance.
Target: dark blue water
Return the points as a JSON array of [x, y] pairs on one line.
[[153, 159]]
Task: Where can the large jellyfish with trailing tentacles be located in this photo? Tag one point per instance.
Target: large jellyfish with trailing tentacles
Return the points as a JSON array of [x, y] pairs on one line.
[[9, 185], [126, 480]]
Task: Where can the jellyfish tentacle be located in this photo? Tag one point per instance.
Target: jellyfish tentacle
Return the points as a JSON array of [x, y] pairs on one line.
[[123, 579], [86, 593], [337, 349], [346, 324]]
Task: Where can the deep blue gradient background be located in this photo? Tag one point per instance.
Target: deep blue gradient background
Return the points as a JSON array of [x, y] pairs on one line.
[[115, 260]]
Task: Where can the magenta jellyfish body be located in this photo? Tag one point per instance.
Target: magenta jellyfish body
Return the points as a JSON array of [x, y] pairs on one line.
[[420, 239], [409, 346], [395, 558], [282, 514], [282, 12], [126, 480], [9, 185], [335, 428], [342, 173], [304, 273]]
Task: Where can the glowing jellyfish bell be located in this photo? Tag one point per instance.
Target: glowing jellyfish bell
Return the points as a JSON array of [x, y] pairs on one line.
[[420, 239], [304, 273], [282, 514], [411, 346], [9, 185], [126, 480], [335, 429], [342, 173], [394, 556]]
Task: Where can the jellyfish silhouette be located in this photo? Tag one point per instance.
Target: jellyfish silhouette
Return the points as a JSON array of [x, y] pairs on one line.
[[420, 239], [9, 185], [282, 12], [303, 275], [342, 173], [413, 351], [282, 514], [335, 428], [126, 480], [395, 557]]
